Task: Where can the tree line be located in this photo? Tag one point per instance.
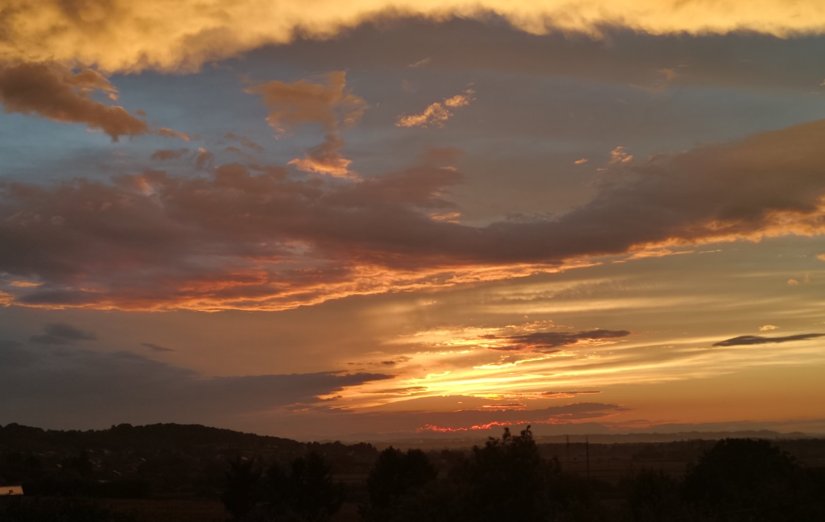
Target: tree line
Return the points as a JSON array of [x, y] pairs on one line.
[[737, 480], [272, 480]]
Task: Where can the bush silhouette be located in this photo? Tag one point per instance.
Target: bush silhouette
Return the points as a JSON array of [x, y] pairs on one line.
[[747, 480], [653, 496], [307, 493]]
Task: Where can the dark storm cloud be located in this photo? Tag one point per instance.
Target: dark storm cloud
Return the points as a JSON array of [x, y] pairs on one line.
[[744, 340], [81, 388], [251, 236], [61, 334], [55, 92]]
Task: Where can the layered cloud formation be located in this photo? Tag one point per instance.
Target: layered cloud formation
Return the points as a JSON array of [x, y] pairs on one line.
[[251, 236]]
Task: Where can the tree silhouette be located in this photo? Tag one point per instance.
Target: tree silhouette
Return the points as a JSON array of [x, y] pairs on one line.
[[507, 480], [304, 493], [242, 492], [313, 495], [396, 477], [747, 480]]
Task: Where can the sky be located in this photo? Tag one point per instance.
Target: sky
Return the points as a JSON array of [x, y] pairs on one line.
[[371, 219]]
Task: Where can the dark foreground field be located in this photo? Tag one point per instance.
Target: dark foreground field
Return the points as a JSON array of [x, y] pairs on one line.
[[179, 473]]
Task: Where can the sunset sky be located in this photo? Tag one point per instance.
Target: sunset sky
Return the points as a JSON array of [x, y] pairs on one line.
[[368, 219]]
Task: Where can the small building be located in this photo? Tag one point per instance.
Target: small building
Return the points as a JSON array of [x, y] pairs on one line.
[[11, 491]]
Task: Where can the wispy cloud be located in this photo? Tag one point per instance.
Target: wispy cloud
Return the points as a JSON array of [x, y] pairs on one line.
[[744, 340], [469, 420], [172, 133], [420, 63], [437, 113], [157, 347], [62, 334], [543, 341], [168, 154]]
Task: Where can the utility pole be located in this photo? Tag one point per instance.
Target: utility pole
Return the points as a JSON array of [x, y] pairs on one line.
[[587, 456]]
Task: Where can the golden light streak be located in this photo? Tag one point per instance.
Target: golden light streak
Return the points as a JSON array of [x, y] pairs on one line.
[[218, 294], [535, 379], [21, 283]]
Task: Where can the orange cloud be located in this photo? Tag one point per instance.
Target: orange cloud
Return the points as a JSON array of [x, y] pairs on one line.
[[329, 105], [302, 102], [325, 158], [619, 156], [122, 35], [437, 113], [172, 133], [56, 92]]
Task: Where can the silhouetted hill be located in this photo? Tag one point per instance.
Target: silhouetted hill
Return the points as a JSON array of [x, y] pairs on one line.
[[155, 436], [152, 460]]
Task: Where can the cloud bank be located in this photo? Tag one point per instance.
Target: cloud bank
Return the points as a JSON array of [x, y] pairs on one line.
[[121, 35], [255, 237], [68, 386]]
